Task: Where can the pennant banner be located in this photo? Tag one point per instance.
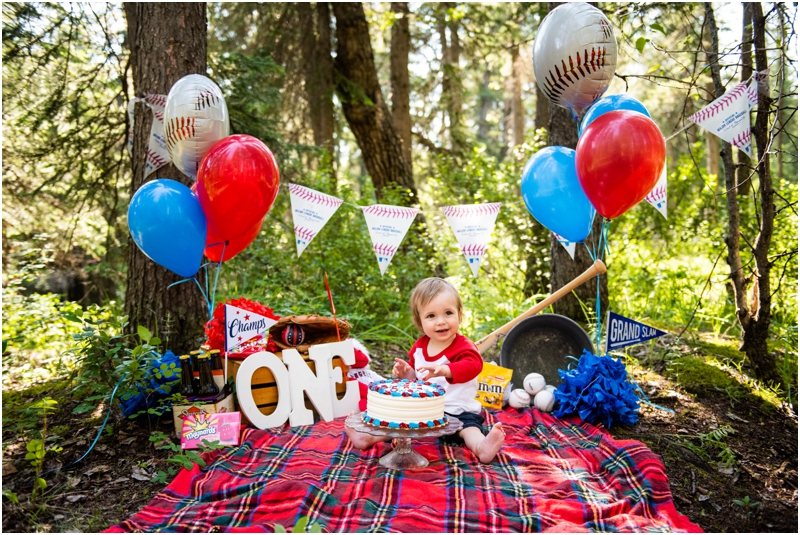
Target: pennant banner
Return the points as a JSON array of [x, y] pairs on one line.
[[658, 195], [568, 245], [762, 78], [622, 331], [473, 225], [311, 210], [242, 326], [387, 227], [728, 117], [157, 155]]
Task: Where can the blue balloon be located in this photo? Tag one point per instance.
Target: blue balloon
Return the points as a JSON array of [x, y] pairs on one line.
[[167, 223], [611, 103], [553, 195]]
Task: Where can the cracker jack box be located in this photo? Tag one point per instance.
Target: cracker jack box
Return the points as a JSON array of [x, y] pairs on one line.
[[492, 383], [193, 408], [222, 427]]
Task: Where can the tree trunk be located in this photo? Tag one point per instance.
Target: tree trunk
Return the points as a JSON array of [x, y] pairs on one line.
[[451, 82], [363, 104], [563, 132], [712, 148], [401, 108], [517, 107], [754, 312], [743, 161], [318, 61], [167, 41], [542, 119], [485, 103]]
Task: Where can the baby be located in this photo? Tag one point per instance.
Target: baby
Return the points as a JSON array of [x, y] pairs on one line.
[[449, 359]]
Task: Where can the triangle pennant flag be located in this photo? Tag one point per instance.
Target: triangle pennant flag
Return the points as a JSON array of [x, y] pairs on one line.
[[622, 331], [157, 155], [568, 245], [311, 210], [242, 326], [728, 117], [762, 78], [387, 227], [473, 225], [658, 195]]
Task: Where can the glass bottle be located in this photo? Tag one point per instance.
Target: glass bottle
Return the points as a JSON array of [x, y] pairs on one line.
[[195, 370], [216, 369], [207, 385], [187, 385]]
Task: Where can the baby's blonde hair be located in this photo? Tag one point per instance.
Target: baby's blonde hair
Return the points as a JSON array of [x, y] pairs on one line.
[[425, 291]]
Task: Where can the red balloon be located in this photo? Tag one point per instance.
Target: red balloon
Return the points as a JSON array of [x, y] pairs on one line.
[[234, 246], [619, 159], [237, 182]]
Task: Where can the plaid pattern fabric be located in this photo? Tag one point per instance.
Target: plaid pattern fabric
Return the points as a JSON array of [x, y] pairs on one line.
[[551, 475]]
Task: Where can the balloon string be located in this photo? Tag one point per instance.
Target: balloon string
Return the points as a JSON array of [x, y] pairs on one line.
[[216, 280], [205, 297]]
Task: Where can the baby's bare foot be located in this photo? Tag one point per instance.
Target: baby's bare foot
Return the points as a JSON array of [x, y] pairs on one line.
[[488, 448], [360, 440]]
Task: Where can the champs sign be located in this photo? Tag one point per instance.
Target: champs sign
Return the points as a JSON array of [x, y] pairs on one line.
[[622, 331], [243, 325]]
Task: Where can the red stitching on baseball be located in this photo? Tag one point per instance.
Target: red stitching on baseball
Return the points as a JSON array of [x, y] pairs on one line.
[[557, 83], [384, 249]]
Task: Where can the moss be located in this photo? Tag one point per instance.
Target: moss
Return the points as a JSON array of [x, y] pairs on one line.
[[697, 376]]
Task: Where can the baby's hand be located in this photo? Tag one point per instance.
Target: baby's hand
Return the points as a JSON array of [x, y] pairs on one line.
[[436, 371], [402, 370]]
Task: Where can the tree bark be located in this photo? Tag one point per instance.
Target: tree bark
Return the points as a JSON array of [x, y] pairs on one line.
[[167, 41], [363, 104], [401, 108], [451, 82], [754, 313], [317, 46], [517, 107], [563, 132]]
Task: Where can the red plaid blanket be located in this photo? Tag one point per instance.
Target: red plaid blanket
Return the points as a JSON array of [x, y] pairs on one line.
[[551, 475]]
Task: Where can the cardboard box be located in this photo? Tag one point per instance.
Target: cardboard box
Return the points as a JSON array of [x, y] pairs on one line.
[[179, 412], [223, 428]]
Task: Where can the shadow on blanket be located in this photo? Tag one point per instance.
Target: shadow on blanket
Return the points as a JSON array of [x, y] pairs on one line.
[[551, 475]]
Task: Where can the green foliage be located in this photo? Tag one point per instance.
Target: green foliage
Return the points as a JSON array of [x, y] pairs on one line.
[[746, 504], [302, 526], [187, 459]]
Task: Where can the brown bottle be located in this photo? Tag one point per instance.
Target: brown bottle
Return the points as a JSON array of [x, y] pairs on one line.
[[195, 371], [207, 385], [216, 369], [187, 385]]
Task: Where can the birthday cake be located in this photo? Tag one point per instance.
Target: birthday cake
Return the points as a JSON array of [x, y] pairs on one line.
[[404, 404]]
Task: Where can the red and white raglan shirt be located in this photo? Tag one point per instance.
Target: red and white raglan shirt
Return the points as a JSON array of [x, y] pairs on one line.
[[465, 363]]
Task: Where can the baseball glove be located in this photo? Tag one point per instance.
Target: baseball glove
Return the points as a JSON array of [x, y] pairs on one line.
[[318, 330]]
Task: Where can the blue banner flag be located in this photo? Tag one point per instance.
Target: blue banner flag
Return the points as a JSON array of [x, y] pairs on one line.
[[622, 331]]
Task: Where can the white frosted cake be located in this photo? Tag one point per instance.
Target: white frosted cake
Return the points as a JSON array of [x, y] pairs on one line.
[[404, 404]]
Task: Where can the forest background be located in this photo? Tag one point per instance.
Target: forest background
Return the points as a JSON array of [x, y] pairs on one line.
[[458, 81]]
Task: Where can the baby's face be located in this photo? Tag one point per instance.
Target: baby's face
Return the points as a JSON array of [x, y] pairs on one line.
[[440, 319]]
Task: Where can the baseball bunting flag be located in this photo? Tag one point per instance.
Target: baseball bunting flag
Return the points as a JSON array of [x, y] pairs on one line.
[[473, 225], [157, 155], [387, 227], [568, 245], [658, 195], [728, 117], [311, 210]]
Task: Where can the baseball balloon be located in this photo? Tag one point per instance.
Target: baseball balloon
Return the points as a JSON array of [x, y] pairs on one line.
[[544, 401], [534, 383], [195, 117], [519, 399], [574, 55], [237, 182], [619, 159]]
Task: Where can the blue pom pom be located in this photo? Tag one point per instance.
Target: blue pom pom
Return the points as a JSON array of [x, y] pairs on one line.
[[597, 390]]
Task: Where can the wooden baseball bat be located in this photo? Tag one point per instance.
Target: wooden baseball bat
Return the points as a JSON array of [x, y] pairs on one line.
[[598, 268]]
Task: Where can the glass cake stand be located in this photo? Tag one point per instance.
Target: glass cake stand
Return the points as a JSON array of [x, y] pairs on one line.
[[403, 457]]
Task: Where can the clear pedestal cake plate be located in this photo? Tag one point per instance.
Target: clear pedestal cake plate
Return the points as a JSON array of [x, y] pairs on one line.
[[403, 457]]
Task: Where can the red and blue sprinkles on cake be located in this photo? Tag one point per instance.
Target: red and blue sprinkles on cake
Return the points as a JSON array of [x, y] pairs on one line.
[[406, 388]]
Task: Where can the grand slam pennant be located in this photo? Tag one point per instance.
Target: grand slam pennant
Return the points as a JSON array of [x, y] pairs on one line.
[[157, 155], [387, 226], [311, 210], [473, 225], [728, 117]]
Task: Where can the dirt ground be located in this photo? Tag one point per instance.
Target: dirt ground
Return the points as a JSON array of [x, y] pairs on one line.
[[756, 493]]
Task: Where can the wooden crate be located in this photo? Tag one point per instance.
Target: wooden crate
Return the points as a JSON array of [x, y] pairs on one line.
[[265, 391]]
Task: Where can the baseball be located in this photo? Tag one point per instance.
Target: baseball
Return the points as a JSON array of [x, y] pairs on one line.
[[519, 399], [544, 401], [533, 383], [550, 388]]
